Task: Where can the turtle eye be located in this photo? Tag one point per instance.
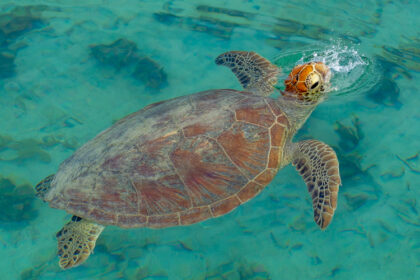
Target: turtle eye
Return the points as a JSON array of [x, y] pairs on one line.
[[315, 85]]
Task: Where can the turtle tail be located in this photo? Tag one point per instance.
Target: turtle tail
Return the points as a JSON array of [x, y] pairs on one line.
[[43, 186]]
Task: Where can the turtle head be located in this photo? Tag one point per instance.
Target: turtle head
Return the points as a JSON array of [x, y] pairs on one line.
[[308, 82]]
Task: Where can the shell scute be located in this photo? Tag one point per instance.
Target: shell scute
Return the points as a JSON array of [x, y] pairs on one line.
[[266, 176], [105, 216], [195, 215], [255, 112], [277, 135], [207, 174], [130, 220], [160, 221], [274, 157], [249, 191], [225, 206], [277, 111], [165, 195], [247, 146]]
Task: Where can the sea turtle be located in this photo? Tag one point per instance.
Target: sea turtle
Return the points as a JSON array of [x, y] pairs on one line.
[[195, 157]]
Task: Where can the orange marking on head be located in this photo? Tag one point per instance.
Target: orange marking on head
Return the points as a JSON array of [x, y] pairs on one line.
[[307, 81]]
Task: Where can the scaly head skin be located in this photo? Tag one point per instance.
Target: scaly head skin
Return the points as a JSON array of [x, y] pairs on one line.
[[308, 82]]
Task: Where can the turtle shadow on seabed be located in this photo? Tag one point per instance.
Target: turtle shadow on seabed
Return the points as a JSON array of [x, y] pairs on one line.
[[123, 55], [350, 156], [387, 93], [32, 149], [17, 203], [395, 63]]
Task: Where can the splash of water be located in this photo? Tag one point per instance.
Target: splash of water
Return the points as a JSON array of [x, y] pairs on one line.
[[339, 60], [352, 72]]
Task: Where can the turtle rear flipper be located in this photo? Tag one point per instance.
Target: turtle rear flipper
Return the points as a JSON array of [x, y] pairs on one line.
[[43, 186], [254, 72], [318, 165], [76, 241]]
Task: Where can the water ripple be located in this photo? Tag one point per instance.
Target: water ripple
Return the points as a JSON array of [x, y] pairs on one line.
[[352, 71]]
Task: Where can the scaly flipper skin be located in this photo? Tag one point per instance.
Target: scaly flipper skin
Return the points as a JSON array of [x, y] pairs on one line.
[[254, 72], [76, 241], [318, 165], [43, 186]]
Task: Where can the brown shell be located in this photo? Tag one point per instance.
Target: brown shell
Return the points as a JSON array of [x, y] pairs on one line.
[[175, 162]]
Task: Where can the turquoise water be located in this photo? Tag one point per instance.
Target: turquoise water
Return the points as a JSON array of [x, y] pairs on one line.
[[62, 82]]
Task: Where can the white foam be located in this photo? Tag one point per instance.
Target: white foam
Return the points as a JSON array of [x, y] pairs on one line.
[[339, 59]]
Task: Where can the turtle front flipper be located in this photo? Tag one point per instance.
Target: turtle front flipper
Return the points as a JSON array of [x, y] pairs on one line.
[[254, 72], [76, 241], [318, 165]]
